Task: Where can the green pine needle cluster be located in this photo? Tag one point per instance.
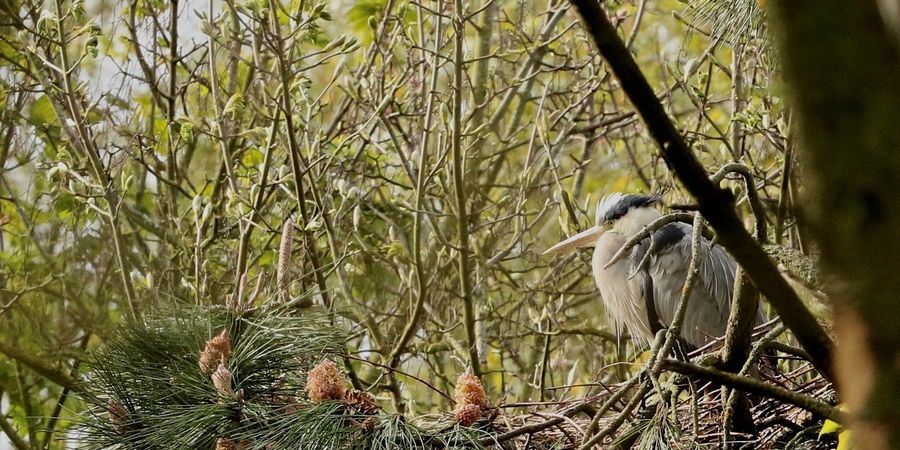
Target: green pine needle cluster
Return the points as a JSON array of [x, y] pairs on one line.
[[656, 432], [732, 21], [147, 390]]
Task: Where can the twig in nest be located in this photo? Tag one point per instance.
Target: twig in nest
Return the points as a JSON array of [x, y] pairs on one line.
[[753, 386], [541, 426]]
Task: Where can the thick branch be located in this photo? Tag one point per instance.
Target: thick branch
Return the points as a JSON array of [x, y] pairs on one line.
[[51, 373], [842, 67]]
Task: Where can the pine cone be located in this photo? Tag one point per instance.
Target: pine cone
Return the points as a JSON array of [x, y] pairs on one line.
[[324, 382], [221, 379], [117, 415], [468, 414], [225, 444], [228, 444], [470, 391], [217, 350], [369, 424], [360, 401]]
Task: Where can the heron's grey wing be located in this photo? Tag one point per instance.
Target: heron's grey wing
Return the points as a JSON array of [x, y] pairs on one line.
[[709, 304], [644, 282]]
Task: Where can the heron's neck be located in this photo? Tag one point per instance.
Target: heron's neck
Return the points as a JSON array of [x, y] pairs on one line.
[[619, 290], [636, 219]]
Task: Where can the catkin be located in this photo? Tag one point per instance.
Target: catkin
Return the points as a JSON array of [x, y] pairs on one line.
[[284, 254]]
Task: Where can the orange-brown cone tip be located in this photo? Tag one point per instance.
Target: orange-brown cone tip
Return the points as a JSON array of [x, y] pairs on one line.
[[325, 382]]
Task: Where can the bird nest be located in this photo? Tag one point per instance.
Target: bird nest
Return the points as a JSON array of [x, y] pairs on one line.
[[688, 417]]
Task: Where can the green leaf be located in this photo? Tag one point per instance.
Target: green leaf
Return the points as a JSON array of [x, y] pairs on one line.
[[78, 9], [252, 158], [92, 47], [360, 14], [8, 51], [844, 439], [41, 112], [186, 131], [830, 427], [235, 106]]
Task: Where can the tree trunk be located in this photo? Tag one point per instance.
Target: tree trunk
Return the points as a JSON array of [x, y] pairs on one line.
[[843, 69]]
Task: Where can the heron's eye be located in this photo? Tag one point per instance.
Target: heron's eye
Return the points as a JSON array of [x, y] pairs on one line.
[[608, 223]]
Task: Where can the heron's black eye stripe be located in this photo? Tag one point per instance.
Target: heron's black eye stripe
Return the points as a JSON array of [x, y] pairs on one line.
[[626, 203]]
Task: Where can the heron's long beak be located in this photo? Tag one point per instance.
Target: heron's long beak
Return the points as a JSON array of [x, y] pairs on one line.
[[586, 238]]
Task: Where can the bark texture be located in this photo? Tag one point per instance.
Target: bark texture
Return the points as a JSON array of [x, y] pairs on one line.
[[843, 71]]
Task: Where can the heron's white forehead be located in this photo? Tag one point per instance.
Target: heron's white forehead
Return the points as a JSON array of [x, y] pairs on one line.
[[617, 205], [607, 203]]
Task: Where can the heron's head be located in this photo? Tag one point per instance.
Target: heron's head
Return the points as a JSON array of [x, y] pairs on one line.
[[624, 214]]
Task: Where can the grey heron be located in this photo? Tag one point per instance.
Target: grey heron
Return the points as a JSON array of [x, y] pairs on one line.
[[627, 291]]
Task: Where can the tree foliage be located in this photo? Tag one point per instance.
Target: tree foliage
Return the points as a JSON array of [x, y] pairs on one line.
[[424, 154]]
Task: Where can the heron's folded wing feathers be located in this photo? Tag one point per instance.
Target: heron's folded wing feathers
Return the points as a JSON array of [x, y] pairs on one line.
[[710, 299]]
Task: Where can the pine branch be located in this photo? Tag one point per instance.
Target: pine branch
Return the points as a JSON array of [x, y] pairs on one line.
[[732, 21]]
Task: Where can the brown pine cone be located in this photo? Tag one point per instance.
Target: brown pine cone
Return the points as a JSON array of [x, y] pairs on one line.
[[360, 401], [325, 382], [221, 379], [117, 415], [470, 391], [369, 424], [468, 414], [217, 350], [225, 444]]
